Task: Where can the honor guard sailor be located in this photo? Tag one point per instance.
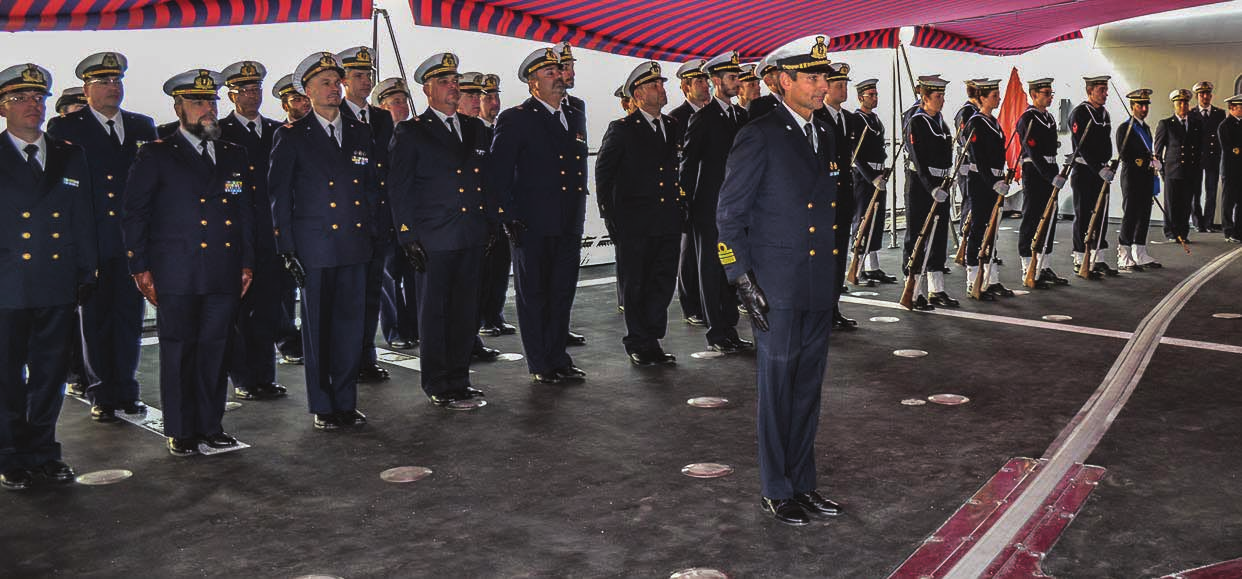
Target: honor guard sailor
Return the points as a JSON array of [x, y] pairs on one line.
[[325, 191], [189, 236], [1038, 130], [48, 240], [1091, 173], [870, 176], [112, 318], [775, 216], [987, 180], [1139, 183], [494, 287], [929, 148]]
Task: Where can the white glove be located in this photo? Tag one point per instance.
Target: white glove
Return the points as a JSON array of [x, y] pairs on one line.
[[940, 194], [880, 182], [1058, 182], [1001, 188], [964, 170], [1107, 174], [1157, 165]]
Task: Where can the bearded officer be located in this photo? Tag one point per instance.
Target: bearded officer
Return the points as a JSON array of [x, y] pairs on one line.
[[325, 193], [539, 166], [635, 177], [189, 235], [1177, 143], [1040, 174], [776, 210], [49, 244], [695, 89], [709, 135], [869, 175], [1139, 183], [112, 318], [748, 88], [1091, 172]]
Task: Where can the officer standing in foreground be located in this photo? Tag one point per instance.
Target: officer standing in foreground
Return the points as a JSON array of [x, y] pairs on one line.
[[49, 234], [929, 149], [869, 175], [1230, 137], [444, 222], [252, 361], [844, 129], [1177, 143], [779, 177], [709, 136], [1091, 172], [1139, 183], [635, 179], [289, 338], [324, 192], [494, 287], [694, 87], [1038, 130], [1210, 117], [189, 235], [539, 157]]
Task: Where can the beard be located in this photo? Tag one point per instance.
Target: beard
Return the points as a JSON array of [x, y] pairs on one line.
[[207, 128]]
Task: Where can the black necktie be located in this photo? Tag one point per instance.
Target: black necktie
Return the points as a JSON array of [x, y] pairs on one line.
[[729, 113], [557, 115], [362, 114], [254, 132], [332, 135], [32, 159], [207, 156], [452, 130], [810, 138], [659, 129], [112, 133]]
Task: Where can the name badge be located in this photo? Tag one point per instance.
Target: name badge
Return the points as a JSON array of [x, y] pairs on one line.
[[580, 138], [233, 187], [480, 152], [70, 182], [359, 158], [139, 144]]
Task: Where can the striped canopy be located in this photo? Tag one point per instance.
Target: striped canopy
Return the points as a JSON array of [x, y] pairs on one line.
[[19, 15], [683, 29]]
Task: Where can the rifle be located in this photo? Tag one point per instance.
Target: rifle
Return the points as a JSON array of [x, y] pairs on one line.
[[960, 257], [912, 272], [1041, 232], [1084, 268], [864, 226], [989, 240]]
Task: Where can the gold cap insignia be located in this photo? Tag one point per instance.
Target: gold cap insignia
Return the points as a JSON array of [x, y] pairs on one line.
[[204, 81], [364, 56], [565, 53], [33, 74], [655, 69], [820, 50], [110, 60], [327, 59], [249, 69], [449, 60], [549, 54], [734, 59]]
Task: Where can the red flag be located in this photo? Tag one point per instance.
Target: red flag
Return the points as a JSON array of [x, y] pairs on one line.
[[1012, 107]]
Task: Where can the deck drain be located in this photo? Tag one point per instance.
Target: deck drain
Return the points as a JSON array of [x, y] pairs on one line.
[[471, 404], [699, 573], [708, 355], [510, 357], [104, 477], [1227, 316], [707, 470], [910, 353], [948, 399], [913, 402], [885, 319], [708, 402], [1056, 318], [405, 474], [864, 294]]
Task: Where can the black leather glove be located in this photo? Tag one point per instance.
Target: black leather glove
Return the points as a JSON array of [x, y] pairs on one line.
[[417, 255], [295, 269], [85, 290], [752, 297], [515, 229], [493, 236]]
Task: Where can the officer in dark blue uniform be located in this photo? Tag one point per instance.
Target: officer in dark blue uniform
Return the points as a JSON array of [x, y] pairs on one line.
[[71, 100], [324, 193], [1091, 172], [48, 244], [539, 166], [769, 102], [358, 81], [1139, 183], [444, 222], [695, 89], [289, 338], [844, 128], [636, 181], [566, 56], [113, 317], [189, 236], [398, 315], [869, 175], [775, 216], [1038, 130], [1211, 117], [252, 361], [1178, 141], [709, 135], [1230, 136], [494, 286]]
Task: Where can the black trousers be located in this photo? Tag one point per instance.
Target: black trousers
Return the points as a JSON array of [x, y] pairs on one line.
[[648, 265], [918, 205], [494, 285], [1205, 211], [982, 201], [112, 322], [688, 278], [448, 306], [398, 305], [846, 206], [1086, 184], [332, 322], [372, 301], [194, 337], [863, 191], [1136, 202], [719, 299], [546, 278], [1231, 207], [32, 377], [289, 337], [1179, 205], [1035, 195], [252, 356]]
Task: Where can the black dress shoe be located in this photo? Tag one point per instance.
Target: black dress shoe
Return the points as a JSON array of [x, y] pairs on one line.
[[245, 393], [1103, 268], [725, 346], [56, 471], [546, 377], [880, 276], [984, 296], [327, 422], [273, 390], [1041, 284], [1131, 268], [484, 353], [182, 446], [75, 389], [1046, 274], [489, 332], [17, 479], [507, 329], [785, 510], [475, 392], [445, 398], [401, 345], [816, 504], [219, 440], [643, 358], [696, 321], [943, 300], [290, 359], [571, 372], [353, 417], [742, 344], [998, 289], [663, 357], [101, 413], [840, 322], [135, 407], [372, 373], [576, 339], [922, 305]]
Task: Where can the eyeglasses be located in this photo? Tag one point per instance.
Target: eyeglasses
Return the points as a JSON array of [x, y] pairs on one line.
[[19, 99], [107, 81], [248, 90]]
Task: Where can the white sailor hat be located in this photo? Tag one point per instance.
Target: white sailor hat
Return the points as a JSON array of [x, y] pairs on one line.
[[284, 87], [244, 72], [866, 85], [439, 64], [314, 64], [24, 77], [102, 64], [1180, 94], [356, 57], [195, 84], [541, 58], [692, 69], [801, 60], [722, 63], [644, 73], [471, 82], [1096, 80], [388, 87], [1203, 86], [73, 95]]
